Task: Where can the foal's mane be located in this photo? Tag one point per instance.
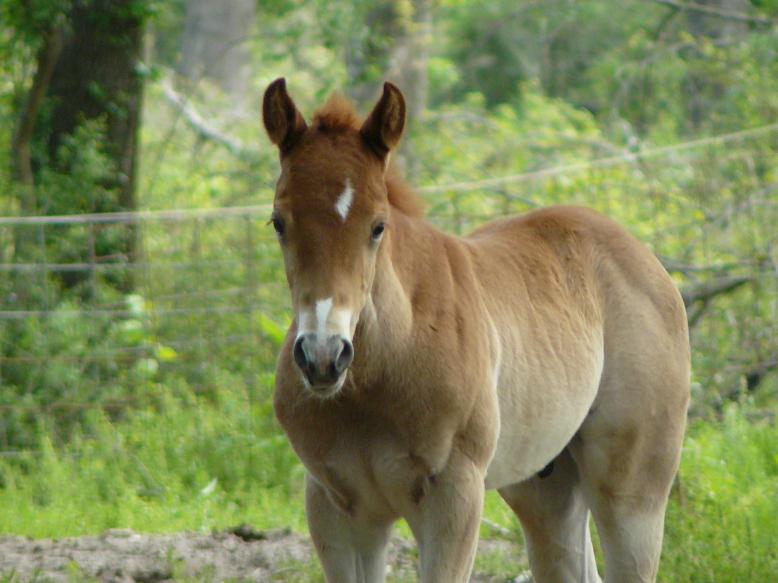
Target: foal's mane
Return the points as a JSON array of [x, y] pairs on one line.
[[338, 115]]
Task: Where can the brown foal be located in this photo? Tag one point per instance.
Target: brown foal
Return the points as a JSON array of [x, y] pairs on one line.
[[422, 368]]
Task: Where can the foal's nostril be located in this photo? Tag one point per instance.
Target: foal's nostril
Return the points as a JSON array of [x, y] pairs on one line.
[[345, 357], [299, 354], [322, 364]]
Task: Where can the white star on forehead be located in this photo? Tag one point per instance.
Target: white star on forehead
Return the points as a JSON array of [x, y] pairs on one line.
[[343, 204]]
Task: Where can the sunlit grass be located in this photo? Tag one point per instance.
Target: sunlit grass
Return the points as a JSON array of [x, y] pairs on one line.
[[724, 524], [202, 464], [191, 464]]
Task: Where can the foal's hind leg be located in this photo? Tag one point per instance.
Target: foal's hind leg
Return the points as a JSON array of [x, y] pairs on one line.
[[555, 521], [628, 461], [350, 550]]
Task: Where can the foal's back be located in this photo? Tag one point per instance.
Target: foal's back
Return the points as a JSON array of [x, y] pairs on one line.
[[573, 256]]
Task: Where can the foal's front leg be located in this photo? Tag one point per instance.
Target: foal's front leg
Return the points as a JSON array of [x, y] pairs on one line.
[[446, 522], [351, 550]]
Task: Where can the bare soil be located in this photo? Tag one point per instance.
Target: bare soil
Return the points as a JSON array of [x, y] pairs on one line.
[[240, 554]]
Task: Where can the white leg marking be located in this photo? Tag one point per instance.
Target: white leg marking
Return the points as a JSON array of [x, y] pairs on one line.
[[343, 204]]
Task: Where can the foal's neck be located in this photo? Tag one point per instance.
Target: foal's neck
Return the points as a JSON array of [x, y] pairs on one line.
[[407, 281]]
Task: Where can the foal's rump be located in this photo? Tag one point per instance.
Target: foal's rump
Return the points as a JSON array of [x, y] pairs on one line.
[[567, 290]]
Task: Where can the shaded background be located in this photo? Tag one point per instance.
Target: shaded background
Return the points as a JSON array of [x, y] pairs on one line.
[[142, 300]]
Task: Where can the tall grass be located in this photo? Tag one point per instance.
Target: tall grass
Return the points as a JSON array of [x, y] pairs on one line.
[[724, 524], [187, 463], [203, 463]]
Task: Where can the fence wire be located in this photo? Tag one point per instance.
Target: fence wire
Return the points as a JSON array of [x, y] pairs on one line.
[[199, 295]]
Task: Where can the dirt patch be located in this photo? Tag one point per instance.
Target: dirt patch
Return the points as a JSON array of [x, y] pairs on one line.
[[240, 554]]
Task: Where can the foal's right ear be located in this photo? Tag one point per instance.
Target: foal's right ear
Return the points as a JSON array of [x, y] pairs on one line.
[[284, 124], [383, 128]]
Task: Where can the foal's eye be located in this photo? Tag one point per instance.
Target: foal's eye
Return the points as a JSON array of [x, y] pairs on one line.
[[278, 225], [378, 230]]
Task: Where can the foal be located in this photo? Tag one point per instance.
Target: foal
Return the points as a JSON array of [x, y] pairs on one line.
[[422, 368]]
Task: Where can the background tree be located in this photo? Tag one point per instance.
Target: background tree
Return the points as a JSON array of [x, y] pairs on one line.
[[214, 45], [75, 146], [660, 113]]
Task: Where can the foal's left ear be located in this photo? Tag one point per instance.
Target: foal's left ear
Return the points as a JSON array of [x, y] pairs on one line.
[[283, 122], [383, 128]]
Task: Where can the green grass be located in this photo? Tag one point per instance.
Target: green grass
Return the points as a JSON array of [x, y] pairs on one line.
[[724, 524], [199, 464], [189, 463]]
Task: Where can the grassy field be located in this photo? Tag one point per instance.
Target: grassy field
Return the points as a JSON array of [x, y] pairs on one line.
[[197, 464]]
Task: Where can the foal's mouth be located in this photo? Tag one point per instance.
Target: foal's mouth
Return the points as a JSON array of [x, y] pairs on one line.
[[325, 391]]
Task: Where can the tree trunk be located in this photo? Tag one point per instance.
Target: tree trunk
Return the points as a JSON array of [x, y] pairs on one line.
[[213, 44], [410, 55], [718, 25], [21, 152], [97, 77], [702, 89], [398, 44]]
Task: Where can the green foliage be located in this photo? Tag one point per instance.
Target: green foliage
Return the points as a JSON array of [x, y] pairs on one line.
[[184, 463], [88, 170], [139, 389], [190, 463], [724, 527], [31, 19]]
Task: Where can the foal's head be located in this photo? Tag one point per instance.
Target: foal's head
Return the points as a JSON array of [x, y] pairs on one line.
[[330, 213]]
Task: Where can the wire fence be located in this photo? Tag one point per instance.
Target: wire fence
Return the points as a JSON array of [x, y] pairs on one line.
[[198, 296]]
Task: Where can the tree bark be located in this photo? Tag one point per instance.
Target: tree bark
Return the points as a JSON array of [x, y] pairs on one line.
[[21, 149], [213, 44], [409, 58], [398, 43], [97, 77], [22, 172]]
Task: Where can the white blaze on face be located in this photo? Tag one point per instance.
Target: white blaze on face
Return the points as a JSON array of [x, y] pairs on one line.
[[323, 321], [343, 204], [323, 309]]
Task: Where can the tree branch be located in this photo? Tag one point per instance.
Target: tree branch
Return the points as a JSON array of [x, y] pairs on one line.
[[21, 158], [697, 298], [755, 374], [707, 291], [717, 12], [690, 269], [201, 127]]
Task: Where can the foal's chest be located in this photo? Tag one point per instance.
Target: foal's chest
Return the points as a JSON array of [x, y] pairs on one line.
[[375, 474], [366, 464]]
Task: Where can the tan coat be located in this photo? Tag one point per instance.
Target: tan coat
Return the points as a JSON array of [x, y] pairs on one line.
[[554, 336]]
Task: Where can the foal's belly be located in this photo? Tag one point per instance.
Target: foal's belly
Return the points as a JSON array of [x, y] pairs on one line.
[[541, 408]]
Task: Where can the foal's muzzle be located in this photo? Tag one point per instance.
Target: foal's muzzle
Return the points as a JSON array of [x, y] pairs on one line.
[[323, 364]]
